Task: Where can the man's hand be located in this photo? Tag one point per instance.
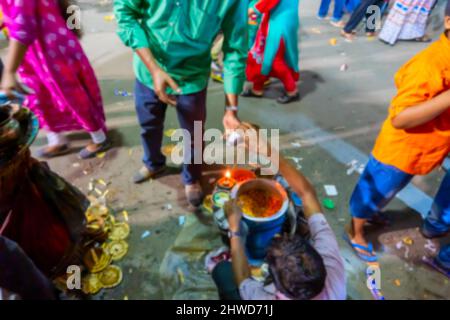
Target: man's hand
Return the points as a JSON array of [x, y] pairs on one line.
[[161, 80], [233, 214], [230, 121]]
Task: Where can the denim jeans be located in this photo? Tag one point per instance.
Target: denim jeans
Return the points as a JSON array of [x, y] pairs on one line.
[[444, 257], [338, 12], [380, 183], [224, 279], [151, 114], [19, 274], [438, 219], [359, 14]]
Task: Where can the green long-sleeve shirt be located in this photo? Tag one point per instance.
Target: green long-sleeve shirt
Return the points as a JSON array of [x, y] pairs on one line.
[[180, 34]]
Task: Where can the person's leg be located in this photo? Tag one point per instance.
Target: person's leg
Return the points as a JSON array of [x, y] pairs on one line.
[[357, 16], [20, 275], [151, 114], [258, 84], [443, 258], [437, 222], [338, 13], [191, 108], [377, 186], [282, 71], [323, 9], [99, 144], [224, 279]]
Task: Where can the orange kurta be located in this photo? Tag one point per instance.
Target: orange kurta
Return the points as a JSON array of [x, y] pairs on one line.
[[418, 150]]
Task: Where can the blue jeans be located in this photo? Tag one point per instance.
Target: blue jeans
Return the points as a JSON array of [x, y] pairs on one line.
[[439, 217], [359, 14], [151, 114], [444, 257], [380, 183], [338, 12]]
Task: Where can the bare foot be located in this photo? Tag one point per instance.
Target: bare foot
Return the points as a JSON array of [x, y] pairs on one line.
[[348, 36]]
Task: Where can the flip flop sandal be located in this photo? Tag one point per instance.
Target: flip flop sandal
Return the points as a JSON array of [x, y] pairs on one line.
[[86, 154], [424, 39], [370, 257], [435, 265], [58, 151]]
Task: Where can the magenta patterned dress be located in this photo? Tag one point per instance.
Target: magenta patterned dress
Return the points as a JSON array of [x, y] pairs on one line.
[[67, 95]]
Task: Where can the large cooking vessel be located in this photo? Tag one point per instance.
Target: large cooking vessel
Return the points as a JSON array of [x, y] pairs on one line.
[[261, 230]]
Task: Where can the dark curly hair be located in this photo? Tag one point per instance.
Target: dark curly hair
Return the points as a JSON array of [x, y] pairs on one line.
[[296, 267]]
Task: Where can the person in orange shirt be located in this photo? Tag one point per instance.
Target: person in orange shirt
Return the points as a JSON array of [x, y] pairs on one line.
[[414, 139]]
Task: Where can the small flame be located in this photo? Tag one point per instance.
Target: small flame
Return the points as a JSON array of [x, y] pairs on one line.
[[228, 174]]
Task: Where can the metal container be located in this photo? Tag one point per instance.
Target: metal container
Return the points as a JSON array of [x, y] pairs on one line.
[[262, 230]]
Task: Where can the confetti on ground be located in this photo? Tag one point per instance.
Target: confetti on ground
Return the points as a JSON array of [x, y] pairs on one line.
[[295, 159], [101, 155], [130, 151], [122, 93], [331, 190], [344, 67], [170, 132], [168, 149], [76, 165], [145, 234], [397, 282], [408, 241], [316, 30], [333, 41], [169, 207], [181, 220], [328, 204], [109, 18], [296, 144], [355, 166], [125, 215], [180, 275]]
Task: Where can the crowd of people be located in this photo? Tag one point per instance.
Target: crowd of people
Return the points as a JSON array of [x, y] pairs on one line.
[[406, 19], [172, 41]]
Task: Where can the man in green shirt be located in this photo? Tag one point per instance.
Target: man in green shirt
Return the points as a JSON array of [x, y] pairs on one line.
[[172, 40]]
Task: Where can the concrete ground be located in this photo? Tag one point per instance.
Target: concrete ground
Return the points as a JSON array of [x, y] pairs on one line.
[[335, 123]]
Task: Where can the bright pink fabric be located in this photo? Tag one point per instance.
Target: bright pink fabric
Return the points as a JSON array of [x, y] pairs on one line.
[[67, 95]]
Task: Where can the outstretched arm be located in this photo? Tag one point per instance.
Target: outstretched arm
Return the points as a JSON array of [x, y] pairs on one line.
[[241, 269], [300, 185]]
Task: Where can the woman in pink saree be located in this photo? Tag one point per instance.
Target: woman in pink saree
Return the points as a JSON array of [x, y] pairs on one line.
[[50, 60]]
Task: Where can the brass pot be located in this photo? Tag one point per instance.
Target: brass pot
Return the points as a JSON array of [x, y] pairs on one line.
[[9, 128]]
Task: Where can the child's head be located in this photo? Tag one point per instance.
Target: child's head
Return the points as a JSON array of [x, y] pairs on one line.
[[296, 267]]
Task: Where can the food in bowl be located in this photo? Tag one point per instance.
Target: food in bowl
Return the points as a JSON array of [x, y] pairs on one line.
[[259, 202]]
